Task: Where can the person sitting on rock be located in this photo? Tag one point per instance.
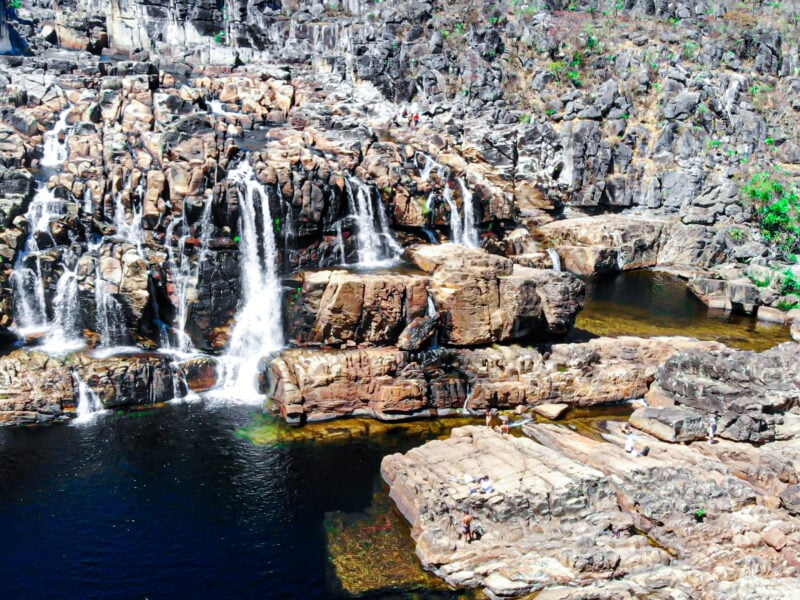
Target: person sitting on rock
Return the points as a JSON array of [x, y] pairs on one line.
[[487, 487], [630, 442]]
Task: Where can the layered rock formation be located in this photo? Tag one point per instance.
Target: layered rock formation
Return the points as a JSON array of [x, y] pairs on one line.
[[747, 392], [389, 383], [578, 517], [37, 388], [375, 132]]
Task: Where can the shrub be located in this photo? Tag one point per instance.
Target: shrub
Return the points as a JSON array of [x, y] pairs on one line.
[[791, 284], [778, 209]]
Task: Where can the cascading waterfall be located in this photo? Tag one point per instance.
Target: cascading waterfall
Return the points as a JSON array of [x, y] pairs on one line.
[[30, 313], [131, 232], [66, 333], [89, 403], [110, 315], [185, 274], [55, 152], [463, 229], [375, 240], [258, 330], [340, 243], [456, 235], [554, 258]]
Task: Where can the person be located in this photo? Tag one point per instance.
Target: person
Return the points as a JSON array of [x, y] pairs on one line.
[[630, 442], [487, 487], [504, 424], [488, 418], [643, 452], [466, 526], [712, 428], [416, 119]]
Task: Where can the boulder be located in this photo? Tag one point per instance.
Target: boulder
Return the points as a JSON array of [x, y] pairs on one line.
[[671, 424]]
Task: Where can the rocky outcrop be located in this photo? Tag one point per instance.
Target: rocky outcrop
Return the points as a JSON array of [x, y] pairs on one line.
[[388, 383], [37, 388], [336, 307], [747, 392], [577, 512], [483, 298], [613, 243]]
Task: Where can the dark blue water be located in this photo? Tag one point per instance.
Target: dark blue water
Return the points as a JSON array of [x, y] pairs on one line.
[[172, 503]]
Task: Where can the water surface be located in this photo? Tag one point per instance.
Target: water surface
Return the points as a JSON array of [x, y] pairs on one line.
[[650, 303]]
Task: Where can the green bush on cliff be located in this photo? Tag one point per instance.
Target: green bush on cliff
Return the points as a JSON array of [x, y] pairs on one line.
[[778, 209]]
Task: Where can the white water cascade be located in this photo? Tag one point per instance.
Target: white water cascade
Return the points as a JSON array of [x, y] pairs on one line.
[[131, 231], [66, 335], [554, 258], [30, 312], [185, 274], [110, 315], [89, 404], [55, 152], [376, 244], [258, 330], [463, 229]]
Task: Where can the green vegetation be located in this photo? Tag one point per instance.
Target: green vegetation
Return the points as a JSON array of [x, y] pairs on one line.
[[526, 118], [737, 235], [778, 209], [791, 284], [219, 37]]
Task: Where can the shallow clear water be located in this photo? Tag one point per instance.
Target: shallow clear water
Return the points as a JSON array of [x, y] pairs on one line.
[[650, 303]]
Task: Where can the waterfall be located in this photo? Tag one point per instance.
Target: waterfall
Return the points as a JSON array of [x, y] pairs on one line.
[[30, 312], [89, 404], [463, 229], [131, 232], [455, 218], [258, 330], [54, 151], [109, 314], [185, 274], [469, 229], [340, 243], [66, 334], [375, 240], [29, 304], [554, 258]]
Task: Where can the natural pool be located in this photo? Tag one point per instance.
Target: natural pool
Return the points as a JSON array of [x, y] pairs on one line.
[[211, 500], [651, 303]]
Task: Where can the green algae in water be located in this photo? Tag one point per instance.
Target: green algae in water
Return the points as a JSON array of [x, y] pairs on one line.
[[373, 555], [655, 303]]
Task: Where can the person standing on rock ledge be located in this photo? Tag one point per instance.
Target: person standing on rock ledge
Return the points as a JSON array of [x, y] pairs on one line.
[[712, 429], [466, 526]]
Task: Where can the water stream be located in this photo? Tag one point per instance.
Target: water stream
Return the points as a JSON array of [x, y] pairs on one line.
[[463, 227], [376, 244], [258, 327]]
